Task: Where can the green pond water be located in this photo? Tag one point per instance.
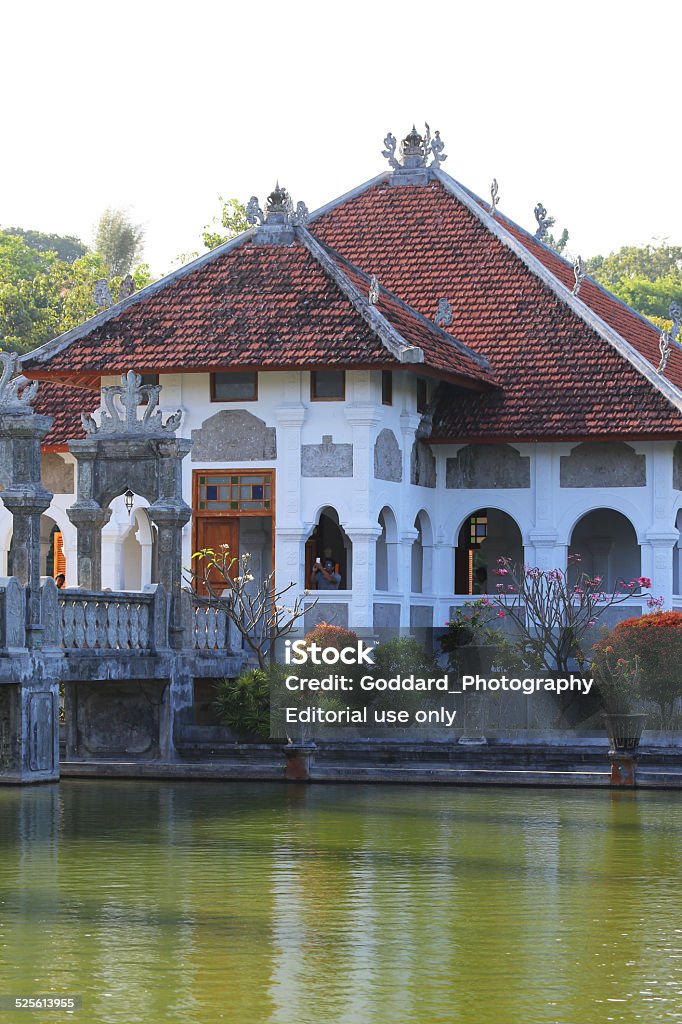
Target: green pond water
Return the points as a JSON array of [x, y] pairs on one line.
[[257, 903]]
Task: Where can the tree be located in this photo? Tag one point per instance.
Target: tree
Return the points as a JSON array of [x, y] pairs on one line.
[[648, 277], [67, 248], [27, 295], [254, 607], [232, 219], [119, 242]]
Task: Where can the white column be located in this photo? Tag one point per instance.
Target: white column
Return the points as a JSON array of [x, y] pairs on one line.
[[290, 531], [409, 422], [544, 550], [661, 537], [113, 535], [363, 528]]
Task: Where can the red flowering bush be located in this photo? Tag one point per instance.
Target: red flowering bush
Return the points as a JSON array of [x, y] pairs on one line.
[[655, 642], [326, 634]]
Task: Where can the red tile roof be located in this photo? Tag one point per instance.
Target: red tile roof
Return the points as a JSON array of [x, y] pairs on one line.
[[266, 306], [558, 376], [65, 405]]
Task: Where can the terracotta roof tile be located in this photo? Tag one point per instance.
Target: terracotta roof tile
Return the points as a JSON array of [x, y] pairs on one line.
[[558, 377]]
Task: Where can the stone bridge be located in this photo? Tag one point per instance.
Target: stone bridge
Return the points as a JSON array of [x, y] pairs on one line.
[[127, 661]]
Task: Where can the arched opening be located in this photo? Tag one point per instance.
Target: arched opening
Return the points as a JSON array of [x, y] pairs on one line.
[[387, 552], [485, 535], [138, 555], [606, 543], [52, 558], [329, 540], [677, 561], [422, 555]]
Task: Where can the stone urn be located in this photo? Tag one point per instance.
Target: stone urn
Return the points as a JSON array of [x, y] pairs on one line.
[[624, 731]]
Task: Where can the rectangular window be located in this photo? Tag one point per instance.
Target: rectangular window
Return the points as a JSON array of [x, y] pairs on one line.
[[422, 394], [234, 387], [386, 387], [235, 492], [327, 385]]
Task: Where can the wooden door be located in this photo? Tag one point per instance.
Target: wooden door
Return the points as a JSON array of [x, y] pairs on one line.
[[211, 532]]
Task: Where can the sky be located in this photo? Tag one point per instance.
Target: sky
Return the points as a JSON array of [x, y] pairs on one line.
[[160, 108]]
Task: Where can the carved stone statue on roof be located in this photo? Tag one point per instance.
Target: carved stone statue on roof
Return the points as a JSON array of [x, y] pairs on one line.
[[415, 153]]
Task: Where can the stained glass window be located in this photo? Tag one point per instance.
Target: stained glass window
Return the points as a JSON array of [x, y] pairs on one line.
[[238, 492]]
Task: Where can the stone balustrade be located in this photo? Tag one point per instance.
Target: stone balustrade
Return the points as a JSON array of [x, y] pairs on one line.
[[210, 626], [110, 621]]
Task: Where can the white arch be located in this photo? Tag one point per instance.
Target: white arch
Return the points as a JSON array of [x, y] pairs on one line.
[[627, 508], [497, 506]]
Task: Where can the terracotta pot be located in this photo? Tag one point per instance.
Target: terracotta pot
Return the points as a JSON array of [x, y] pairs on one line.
[[624, 731]]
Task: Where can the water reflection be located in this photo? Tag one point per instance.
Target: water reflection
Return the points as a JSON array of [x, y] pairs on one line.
[[342, 905]]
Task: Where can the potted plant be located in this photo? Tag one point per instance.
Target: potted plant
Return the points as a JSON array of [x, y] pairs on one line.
[[617, 681]]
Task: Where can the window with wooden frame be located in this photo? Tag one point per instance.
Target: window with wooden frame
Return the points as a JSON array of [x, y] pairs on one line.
[[328, 385], [422, 394], [386, 387], [241, 386], [234, 492]]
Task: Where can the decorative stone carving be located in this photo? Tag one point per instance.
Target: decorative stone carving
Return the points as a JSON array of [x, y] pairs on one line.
[[578, 273], [415, 150], [58, 476], [16, 391], [388, 458], [119, 719], [487, 466], [603, 464], [102, 294], [120, 407], [422, 465], [234, 435], [544, 222], [327, 459], [443, 316], [254, 214], [494, 197]]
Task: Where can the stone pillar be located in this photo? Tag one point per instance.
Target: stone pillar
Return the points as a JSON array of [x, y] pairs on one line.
[[21, 431], [169, 517], [89, 520]]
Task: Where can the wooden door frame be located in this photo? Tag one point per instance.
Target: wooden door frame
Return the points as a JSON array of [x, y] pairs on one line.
[[222, 514]]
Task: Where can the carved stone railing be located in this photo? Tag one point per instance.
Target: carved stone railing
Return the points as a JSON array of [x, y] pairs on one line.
[[12, 614], [111, 621], [210, 626]]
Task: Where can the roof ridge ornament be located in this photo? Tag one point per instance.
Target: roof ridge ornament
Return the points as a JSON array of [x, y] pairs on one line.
[[16, 391], [120, 403], [374, 291], [415, 150], [578, 273], [675, 310], [280, 218], [494, 196], [443, 317], [544, 222], [664, 346]]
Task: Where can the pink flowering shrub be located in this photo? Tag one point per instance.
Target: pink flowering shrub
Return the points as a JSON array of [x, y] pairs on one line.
[[552, 613]]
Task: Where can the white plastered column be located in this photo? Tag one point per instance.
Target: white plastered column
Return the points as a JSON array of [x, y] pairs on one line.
[[660, 539], [290, 534], [363, 417]]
